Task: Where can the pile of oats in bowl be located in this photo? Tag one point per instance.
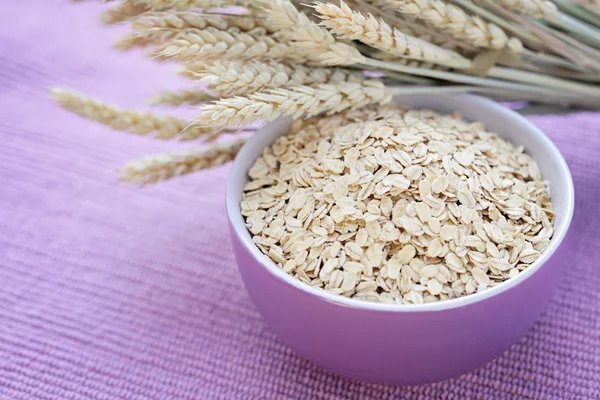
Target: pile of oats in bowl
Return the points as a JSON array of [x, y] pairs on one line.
[[394, 205]]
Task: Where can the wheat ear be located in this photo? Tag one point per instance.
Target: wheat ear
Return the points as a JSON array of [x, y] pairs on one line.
[[161, 167], [297, 101], [161, 26], [190, 19], [351, 25], [186, 4], [382, 9], [238, 78], [138, 122], [312, 41], [453, 20], [122, 12], [177, 98], [541, 9], [212, 43]]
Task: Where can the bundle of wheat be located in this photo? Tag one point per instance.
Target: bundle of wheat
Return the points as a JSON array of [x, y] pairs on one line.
[[259, 59]]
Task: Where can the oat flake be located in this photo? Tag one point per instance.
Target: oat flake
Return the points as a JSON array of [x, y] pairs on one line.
[[399, 206]]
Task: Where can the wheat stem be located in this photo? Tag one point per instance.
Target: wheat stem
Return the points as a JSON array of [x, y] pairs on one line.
[[412, 90], [138, 122], [297, 101], [351, 25], [543, 80], [531, 79], [559, 43], [587, 33], [538, 94], [165, 166], [549, 59], [585, 11], [594, 17]]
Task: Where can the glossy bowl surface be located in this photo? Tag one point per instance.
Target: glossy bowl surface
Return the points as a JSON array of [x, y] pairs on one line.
[[407, 344]]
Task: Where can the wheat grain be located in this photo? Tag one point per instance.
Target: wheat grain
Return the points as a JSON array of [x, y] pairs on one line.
[[177, 98], [453, 20], [541, 9], [122, 12], [138, 122], [351, 25], [239, 78], [161, 167], [212, 43], [296, 101], [312, 41]]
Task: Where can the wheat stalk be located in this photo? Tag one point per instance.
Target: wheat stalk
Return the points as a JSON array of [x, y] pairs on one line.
[[297, 101], [239, 78], [138, 122], [351, 25], [122, 12], [542, 9], [177, 98], [453, 20], [531, 80], [212, 43], [161, 167], [312, 41]]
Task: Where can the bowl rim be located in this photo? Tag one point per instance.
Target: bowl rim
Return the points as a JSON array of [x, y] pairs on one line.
[[238, 226]]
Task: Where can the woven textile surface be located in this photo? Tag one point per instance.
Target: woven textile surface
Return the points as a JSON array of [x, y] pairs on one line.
[[115, 292]]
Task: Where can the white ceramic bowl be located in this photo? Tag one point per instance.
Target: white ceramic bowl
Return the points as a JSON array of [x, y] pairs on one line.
[[407, 344]]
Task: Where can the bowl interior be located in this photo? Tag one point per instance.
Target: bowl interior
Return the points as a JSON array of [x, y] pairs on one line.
[[497, 118]]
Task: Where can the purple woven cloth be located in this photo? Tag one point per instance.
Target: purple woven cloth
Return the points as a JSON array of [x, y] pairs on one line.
[[115, 292]]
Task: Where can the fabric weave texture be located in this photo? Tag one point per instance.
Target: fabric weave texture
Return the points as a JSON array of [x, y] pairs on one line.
[[115, 292]]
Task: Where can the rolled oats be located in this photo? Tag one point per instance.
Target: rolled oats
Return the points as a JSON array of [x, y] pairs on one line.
[[397, 206]]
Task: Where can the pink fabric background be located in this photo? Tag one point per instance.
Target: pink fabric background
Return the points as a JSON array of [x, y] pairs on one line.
[[114, 292]]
